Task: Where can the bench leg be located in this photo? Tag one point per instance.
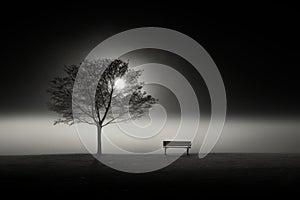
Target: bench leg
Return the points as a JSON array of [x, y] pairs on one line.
[[165, 151], [187, 151]]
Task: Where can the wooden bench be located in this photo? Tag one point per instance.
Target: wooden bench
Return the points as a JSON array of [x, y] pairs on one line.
[[177, 144]]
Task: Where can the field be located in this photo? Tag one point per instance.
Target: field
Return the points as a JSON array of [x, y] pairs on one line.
[[216, 174]]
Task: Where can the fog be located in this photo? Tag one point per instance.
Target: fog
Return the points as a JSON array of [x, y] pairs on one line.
[[24, 135]]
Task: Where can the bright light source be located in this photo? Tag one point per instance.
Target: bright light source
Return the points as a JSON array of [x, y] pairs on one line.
[[120, 84]]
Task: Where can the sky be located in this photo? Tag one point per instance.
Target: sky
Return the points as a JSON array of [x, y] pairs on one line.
[[256, 49], [256, 54]]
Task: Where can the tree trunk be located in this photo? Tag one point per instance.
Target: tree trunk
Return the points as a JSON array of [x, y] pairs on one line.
[[99, 143]]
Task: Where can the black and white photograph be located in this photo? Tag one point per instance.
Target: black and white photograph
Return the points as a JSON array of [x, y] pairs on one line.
[[188, 100]]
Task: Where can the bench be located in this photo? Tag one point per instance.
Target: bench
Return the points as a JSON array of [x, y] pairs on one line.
[[177, 144]]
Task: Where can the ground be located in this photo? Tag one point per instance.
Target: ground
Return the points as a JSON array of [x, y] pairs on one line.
[[216, 174]]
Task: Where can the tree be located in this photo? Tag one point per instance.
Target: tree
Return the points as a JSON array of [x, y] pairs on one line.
[[118, 95]]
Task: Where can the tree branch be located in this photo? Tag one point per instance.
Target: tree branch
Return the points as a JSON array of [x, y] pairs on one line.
[[82, 110], [108, 106], [115, 122]]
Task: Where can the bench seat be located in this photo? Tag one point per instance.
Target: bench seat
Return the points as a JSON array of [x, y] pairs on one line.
[[177, 144]]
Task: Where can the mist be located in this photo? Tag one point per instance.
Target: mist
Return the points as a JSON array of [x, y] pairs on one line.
[[36, 134]]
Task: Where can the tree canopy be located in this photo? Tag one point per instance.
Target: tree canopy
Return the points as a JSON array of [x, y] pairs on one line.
[[110, 102]]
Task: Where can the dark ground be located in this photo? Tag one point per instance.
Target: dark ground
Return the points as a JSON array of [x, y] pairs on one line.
[[240, 175]]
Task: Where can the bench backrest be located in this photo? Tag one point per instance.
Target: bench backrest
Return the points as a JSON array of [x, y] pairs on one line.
[[177, 143]]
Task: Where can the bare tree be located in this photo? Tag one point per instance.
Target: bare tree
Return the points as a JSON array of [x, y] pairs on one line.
[[117, 96]]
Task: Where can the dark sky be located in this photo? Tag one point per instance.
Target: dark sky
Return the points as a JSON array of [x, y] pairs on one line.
[[256, 48]]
